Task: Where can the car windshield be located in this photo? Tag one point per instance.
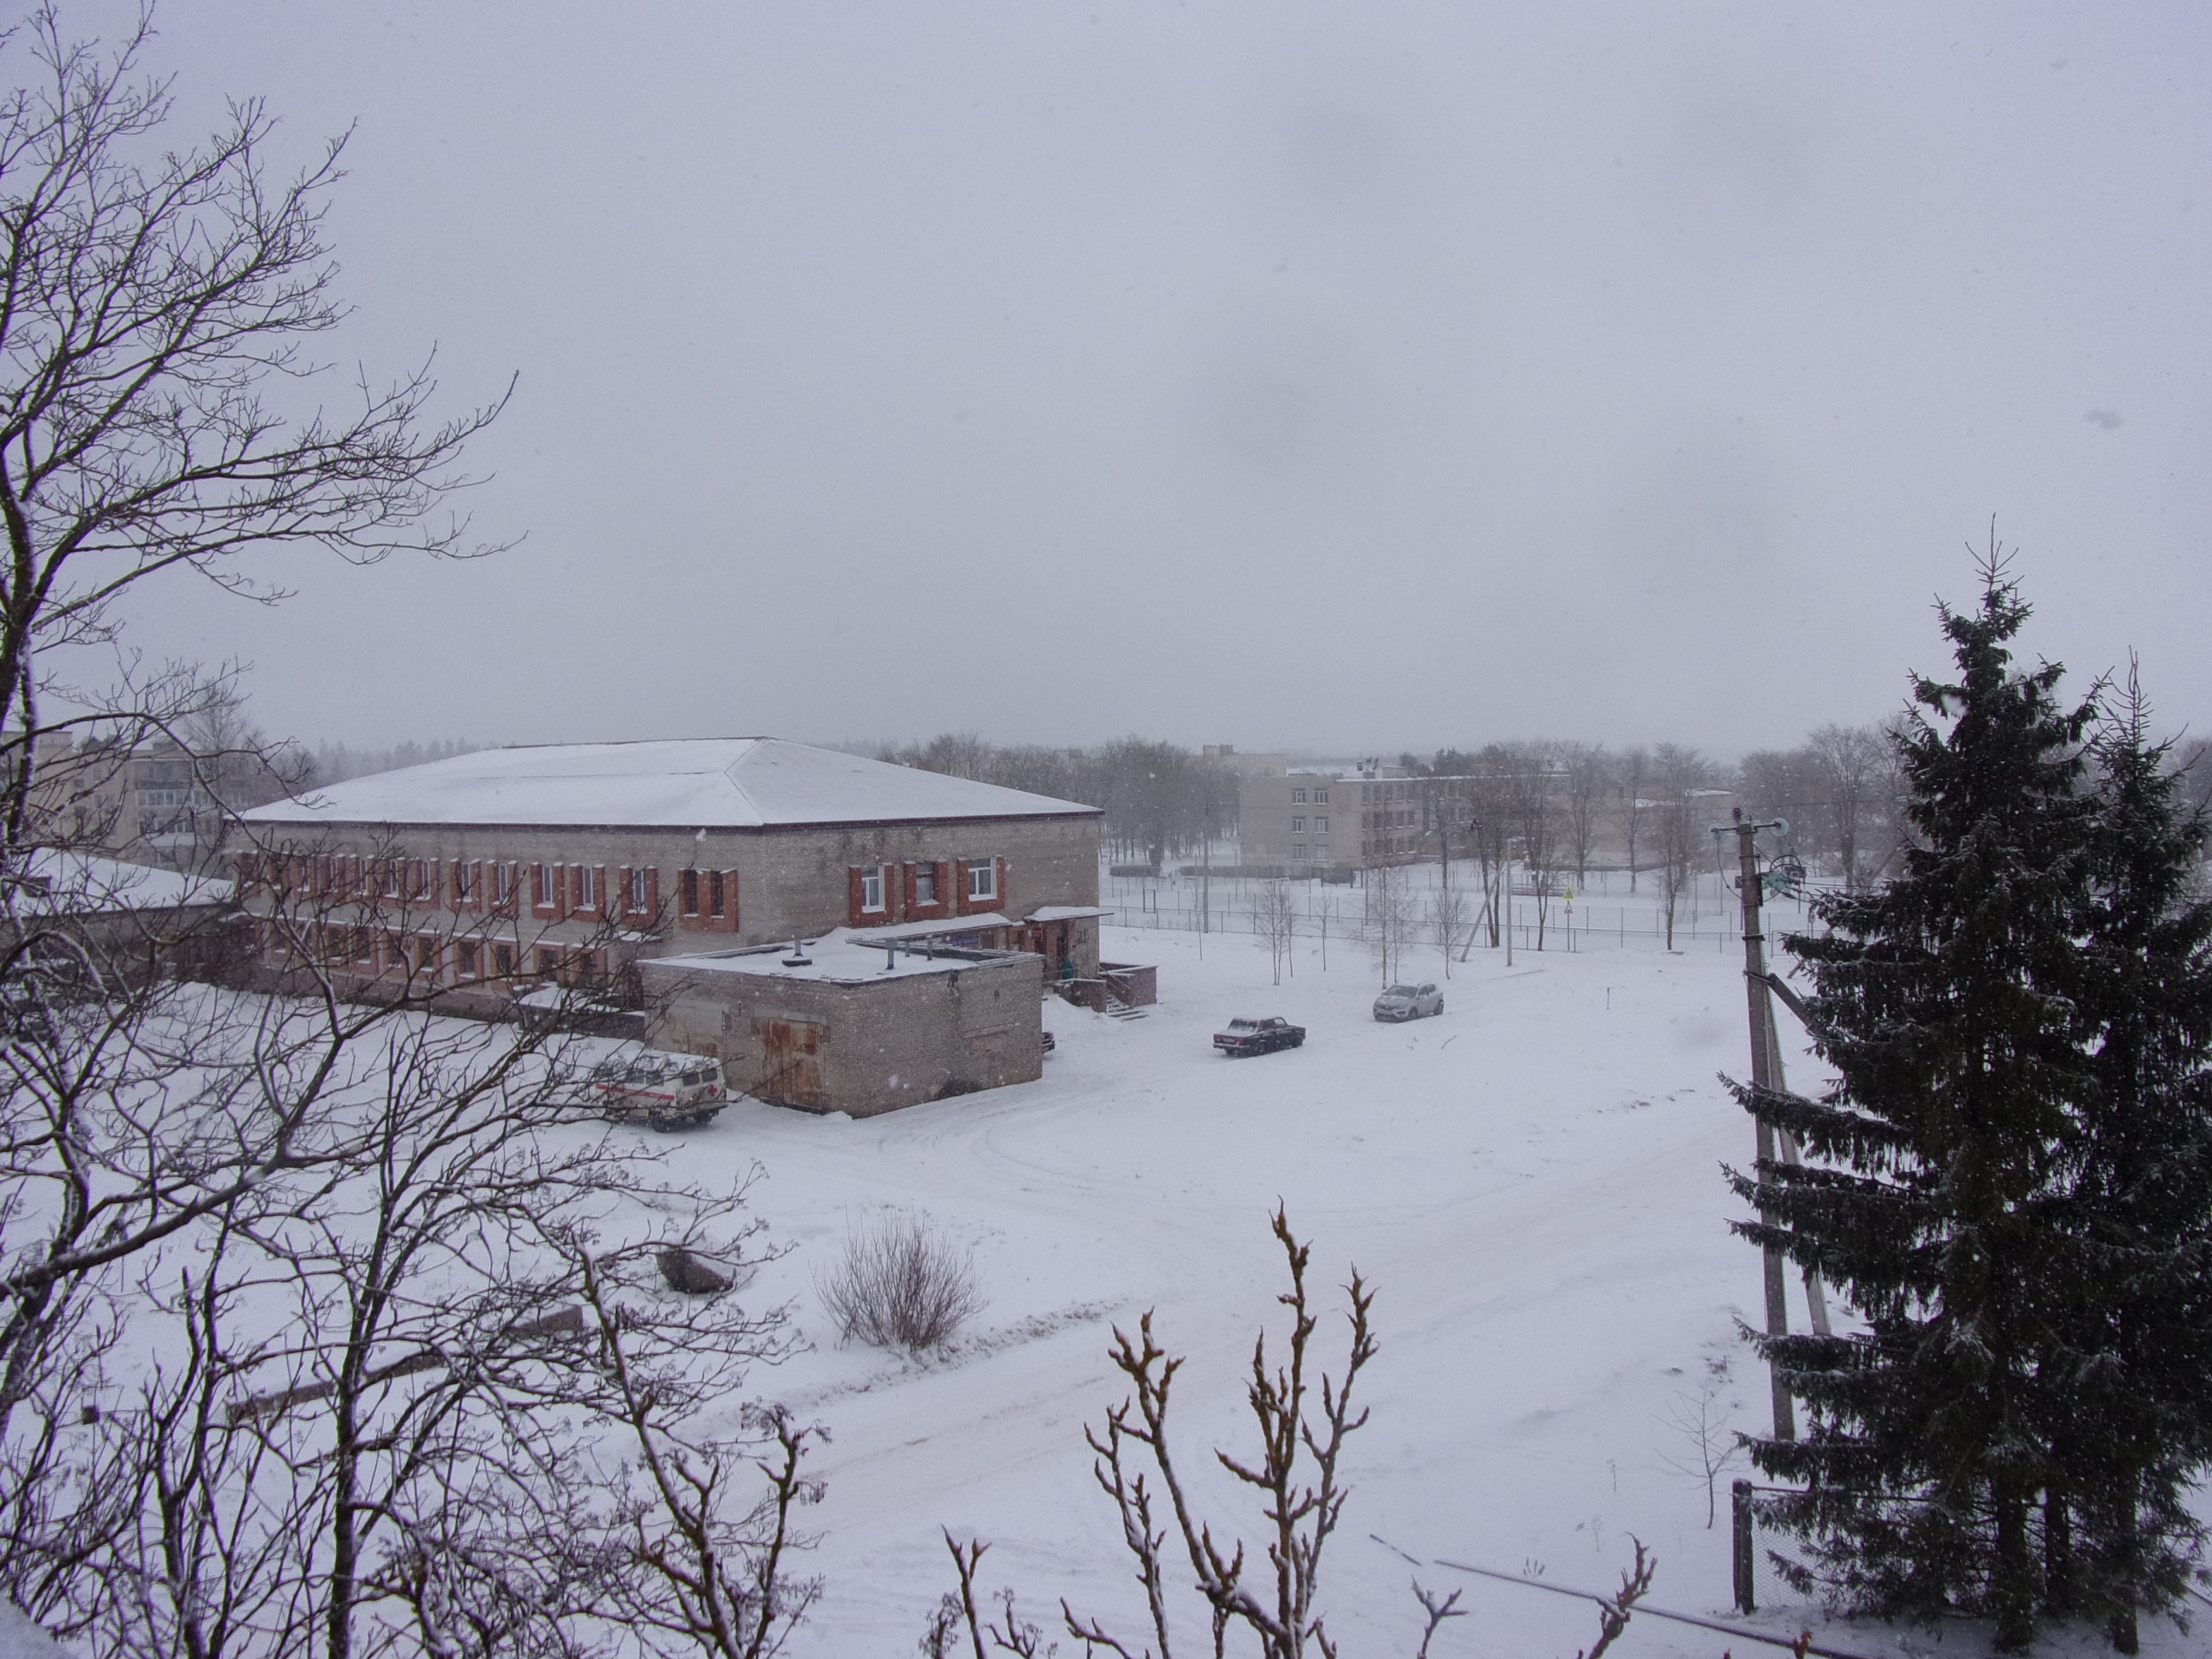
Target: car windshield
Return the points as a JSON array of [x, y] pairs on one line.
[[1398, 991]]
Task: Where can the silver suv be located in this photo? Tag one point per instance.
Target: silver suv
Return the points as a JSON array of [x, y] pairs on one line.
[[1403, 1002]]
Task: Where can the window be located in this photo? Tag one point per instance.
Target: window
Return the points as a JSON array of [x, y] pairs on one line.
[[1298, 851], [872, 887], [687, 892], [1320, 797], [983, 879], [502, 961], [545, 886], [1321, 826], [587, 887], [924, 884], [503, 884], [1297, 826], [1297, 797], [390, 882], [465, 883], [717, 895], [466, 958], [637, 901]]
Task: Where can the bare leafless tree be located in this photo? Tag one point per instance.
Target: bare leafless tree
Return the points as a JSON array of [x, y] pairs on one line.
[[149, 292], [1538, 824], [1633, 778], [1275, 921], [1296, 1476], [688, 1576], [1302, 1438], [1453, 922], [1699, 1424], [1585, 773], [1849, 761], [1388, 916], [408, 1442], [1682, 841]]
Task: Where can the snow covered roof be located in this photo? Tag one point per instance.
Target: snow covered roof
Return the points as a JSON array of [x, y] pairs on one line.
[[1067, 911], [56, 883], [940, 927], [736, 783], [838, 957]]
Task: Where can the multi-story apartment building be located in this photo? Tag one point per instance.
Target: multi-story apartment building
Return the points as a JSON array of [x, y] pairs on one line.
[[1313, 819], [148, 803]]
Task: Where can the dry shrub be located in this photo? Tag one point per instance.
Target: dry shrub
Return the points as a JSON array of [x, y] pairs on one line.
[[901, 1285]]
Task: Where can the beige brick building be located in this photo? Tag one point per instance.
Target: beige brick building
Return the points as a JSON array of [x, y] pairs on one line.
[[482, 873], [1320, 818]]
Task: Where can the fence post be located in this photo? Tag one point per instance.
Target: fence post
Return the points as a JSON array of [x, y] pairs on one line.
[[1745, 1549]]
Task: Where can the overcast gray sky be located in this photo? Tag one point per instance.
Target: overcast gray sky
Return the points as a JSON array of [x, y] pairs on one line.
[[1330, 375]]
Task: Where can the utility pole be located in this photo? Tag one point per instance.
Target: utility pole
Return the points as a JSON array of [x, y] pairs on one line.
[[1764, 1052], [1506, 882], [1816, 1298]]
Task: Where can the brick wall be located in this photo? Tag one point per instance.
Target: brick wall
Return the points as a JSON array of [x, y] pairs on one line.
[[857, 1047], [777, 883]]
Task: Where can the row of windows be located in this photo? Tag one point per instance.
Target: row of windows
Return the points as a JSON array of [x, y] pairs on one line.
[[978, 878], [594, 892], [1299, 855], [1320, 826], [433, 959], [1320, 797]]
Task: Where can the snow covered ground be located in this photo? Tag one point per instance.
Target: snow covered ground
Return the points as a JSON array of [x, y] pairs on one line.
[[1531, 1183]]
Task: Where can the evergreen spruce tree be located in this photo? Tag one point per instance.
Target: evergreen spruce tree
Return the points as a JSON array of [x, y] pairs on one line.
[[1946, 1005], [2128, 1362]]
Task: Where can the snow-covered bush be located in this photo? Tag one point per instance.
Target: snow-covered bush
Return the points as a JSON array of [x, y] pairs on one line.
[[901, 1285]]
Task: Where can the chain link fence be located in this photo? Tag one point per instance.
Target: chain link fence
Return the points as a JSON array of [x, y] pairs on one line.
[[1597, 918], [1769, 1568]]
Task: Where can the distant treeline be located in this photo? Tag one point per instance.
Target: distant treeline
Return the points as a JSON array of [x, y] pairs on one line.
[[1570, 806], [334, 763], [1160, 801]]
